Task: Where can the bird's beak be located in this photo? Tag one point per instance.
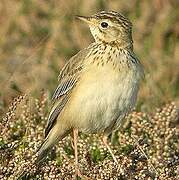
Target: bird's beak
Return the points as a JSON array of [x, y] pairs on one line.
[[88, 20]]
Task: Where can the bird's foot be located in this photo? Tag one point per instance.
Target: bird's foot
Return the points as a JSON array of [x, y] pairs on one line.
[[104, 139], [79, 175]]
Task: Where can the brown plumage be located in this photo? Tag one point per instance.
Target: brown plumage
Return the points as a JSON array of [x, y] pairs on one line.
[[98, 86]]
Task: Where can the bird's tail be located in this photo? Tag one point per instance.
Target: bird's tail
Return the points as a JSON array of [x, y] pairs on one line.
[[55, 134], [52, 138], [43, 150], [39, 158]]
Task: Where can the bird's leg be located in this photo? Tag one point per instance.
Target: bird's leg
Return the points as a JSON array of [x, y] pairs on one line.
[[104, 139], [75, 137]]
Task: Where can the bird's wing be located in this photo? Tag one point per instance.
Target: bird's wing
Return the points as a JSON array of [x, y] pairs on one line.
[[68, 79]]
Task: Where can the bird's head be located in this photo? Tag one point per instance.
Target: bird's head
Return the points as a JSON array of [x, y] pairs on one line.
[[109, 27]]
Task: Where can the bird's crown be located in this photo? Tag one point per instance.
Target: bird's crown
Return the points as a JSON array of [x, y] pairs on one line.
[[110, 27]]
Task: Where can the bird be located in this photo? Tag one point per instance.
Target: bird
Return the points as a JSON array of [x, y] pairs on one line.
[[97, 87]]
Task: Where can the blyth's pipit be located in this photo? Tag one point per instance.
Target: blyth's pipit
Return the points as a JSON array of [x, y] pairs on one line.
[[98, 86]]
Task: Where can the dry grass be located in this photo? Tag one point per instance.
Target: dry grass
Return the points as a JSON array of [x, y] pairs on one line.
[[37, 38], [146, 149]]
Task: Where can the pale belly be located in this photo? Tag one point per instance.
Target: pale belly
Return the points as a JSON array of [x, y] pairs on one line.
[[101, 99]]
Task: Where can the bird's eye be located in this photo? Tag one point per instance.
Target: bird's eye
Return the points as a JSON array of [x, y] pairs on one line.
[[104, 24]]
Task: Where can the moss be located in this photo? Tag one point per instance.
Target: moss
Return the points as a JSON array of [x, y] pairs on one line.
[[127, 149]]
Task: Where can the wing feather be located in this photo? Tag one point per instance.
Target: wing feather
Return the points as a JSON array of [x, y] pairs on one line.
[[55, 112], [68, 79], [64, 87]]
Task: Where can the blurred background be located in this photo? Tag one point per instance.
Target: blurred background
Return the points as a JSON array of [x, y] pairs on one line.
[[38, 37]]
